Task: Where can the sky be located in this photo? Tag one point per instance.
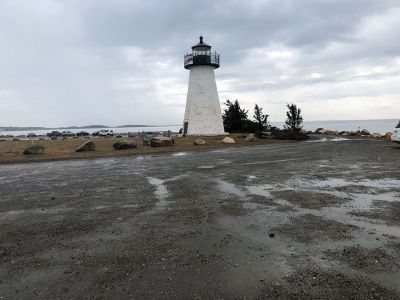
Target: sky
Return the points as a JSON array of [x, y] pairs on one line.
[[73, 62]]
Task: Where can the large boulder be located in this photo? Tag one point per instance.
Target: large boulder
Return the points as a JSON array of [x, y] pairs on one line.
[[88, 146], [388, 136], [352, 133], [199, 142], [228, 140], [34, 150], [124, 144], [160, 141], [365, 132], [376, 135], [250, 138], [322, 131]]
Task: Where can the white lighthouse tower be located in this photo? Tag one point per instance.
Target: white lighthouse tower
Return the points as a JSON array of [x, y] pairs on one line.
[[203, 111]]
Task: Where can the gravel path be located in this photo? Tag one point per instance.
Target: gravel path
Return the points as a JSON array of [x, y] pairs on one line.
[[288, 221]]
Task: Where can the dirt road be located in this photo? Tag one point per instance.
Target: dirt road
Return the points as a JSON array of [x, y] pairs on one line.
[[305, 220]]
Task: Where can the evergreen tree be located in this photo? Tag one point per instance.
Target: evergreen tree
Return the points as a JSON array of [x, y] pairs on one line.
[[261, 120], [294, 119], [235, 118]]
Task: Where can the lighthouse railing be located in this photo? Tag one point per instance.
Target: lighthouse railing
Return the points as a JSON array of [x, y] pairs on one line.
[[213, 58]]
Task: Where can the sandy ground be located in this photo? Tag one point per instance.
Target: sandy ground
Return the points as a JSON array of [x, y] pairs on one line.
[[309, 220], [12, 151]]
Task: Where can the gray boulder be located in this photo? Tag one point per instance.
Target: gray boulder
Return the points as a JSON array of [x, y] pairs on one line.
[[124, 144], [199, 142], [88, 146], [34, 150], [250, 138], [365, 132]]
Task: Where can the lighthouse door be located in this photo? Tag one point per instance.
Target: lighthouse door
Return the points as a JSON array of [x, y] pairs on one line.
[[185, 128]]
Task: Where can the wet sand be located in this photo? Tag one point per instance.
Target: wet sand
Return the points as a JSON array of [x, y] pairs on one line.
[[288, 221]]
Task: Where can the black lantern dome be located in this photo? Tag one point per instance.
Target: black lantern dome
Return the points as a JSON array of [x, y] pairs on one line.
[[201, 56]]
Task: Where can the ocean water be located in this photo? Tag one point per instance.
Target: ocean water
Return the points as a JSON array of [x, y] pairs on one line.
[[380, 126], [174, 128]]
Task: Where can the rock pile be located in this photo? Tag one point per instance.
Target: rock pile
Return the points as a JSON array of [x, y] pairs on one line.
[[363, 132]]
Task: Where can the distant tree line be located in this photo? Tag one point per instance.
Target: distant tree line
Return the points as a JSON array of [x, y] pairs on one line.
[[236, 120]]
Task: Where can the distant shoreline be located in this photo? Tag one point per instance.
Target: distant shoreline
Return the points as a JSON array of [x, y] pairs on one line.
[[20, 128]]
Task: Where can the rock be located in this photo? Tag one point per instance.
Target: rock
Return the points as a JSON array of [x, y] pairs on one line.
[[53, 137], [118, 136], [199, 142], [124, 144], [322, 131], [388, 136], [353, 133], [251, 137], [228, 140], [365, 132], [87, 146], [344, 133], [268, 133], [132, 134], [15, 139], [376, 135], [160, 141], [34, 150]]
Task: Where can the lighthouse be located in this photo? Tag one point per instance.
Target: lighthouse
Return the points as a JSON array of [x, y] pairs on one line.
[[203, 110]]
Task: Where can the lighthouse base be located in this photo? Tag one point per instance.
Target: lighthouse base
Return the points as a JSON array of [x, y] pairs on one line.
[[203, 111]]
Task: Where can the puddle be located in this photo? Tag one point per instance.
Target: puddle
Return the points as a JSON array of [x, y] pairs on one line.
[[261, 190], [38, 211], [385, 183], [160, 192], [250, 205], [206, 167], [129, 206], [329, 140], [268, 161], [229, 188], [179, 154]]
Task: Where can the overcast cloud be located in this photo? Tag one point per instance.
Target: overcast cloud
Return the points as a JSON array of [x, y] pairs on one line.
[[119, 62]]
